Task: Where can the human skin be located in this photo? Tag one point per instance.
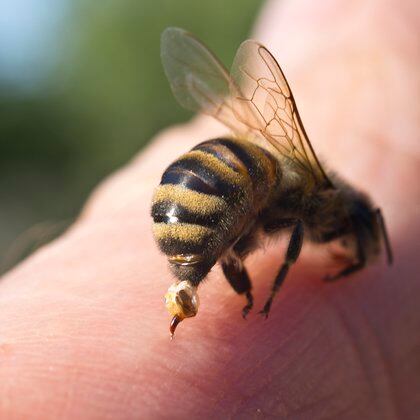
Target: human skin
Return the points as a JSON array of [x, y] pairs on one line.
[[83, 329]]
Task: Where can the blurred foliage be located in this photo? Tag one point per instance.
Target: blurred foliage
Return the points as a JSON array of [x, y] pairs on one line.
[[106, 97]]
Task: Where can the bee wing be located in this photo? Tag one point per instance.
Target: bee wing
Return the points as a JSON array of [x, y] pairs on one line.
[[255, 101], [262, 100], [198, 80]]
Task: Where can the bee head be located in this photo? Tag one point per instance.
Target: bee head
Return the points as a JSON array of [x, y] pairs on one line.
[[182, 302], [370, 227]]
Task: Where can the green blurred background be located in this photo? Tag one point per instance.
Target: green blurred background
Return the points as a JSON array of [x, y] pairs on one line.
[[81, 91]]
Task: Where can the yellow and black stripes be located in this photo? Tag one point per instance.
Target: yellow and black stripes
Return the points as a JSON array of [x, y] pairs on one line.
[[167, 211], [201, 171], [183, 238], [206, 196], [259, 166], [233, 155], [194, 201], [186, 221]]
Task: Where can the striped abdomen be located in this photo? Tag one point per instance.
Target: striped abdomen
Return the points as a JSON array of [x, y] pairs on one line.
[[207, 196]]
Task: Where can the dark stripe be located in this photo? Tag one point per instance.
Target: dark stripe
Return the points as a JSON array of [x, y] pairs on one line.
[[172, 246], [193, 169], [161, 211], [207, 148], [249, 161], [179, 176]]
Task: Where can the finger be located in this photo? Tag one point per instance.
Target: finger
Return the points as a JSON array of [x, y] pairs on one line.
[[84, 331]]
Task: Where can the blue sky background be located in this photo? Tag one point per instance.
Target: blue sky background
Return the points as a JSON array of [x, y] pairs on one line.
[[28, 31]]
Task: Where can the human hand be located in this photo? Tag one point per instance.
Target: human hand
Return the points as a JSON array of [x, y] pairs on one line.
[[83, 329]]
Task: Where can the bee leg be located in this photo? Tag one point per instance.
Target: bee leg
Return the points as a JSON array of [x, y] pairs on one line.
[[346, 272], [385, 237], [238, 278], [293, 251], [352, 268]]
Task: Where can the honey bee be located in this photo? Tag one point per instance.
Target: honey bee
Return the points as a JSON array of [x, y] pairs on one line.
[[216, 201]]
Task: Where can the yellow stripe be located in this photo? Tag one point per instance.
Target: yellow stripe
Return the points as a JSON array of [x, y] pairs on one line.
[[216, 166], [197, 202], [182, 231], [234, 160], [268, 165]]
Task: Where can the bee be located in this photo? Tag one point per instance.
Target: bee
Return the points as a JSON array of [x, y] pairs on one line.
[[216, 201]]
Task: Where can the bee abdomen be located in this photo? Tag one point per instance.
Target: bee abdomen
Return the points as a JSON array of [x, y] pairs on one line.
[[183, 238], [233, 155], [187, 221], [201, 171], [206, 196], [254, 163], [171, 212]]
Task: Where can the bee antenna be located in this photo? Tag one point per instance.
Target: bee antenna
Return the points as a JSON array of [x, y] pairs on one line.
[[385, 236]]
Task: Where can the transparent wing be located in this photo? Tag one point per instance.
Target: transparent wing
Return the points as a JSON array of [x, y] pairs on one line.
[[262, 100], [255, 101], [198, 79]]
